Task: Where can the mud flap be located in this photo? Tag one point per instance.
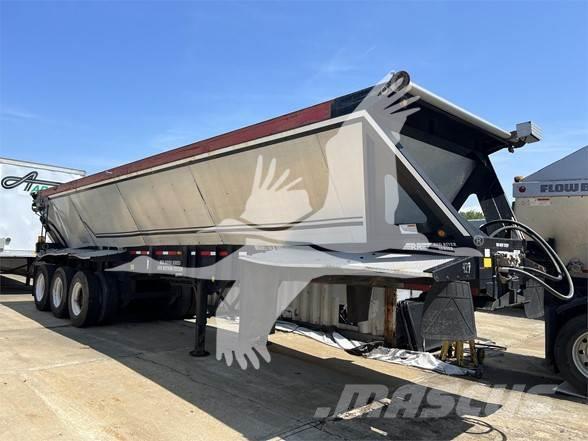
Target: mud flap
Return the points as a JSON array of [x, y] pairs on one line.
[[449, 313], [409, 326]]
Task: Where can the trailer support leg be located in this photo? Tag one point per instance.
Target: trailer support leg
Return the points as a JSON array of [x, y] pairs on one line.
[[28, 277], [390, 317], [201, 301]]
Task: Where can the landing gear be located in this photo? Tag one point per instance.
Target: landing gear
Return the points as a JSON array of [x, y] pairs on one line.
[[201, 302]]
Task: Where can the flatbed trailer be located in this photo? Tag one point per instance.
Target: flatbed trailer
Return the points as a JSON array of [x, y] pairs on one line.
[[362, 190]]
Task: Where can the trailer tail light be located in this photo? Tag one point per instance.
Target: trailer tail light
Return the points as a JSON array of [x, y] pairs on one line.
[[223, 253], [206, 253], [140, 253], [168, 253]]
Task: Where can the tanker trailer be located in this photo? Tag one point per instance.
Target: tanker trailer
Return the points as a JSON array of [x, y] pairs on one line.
[[363, 190], [554, 202]]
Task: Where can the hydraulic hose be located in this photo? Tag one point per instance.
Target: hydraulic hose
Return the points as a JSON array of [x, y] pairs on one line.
[[526, 271], [557, 278]]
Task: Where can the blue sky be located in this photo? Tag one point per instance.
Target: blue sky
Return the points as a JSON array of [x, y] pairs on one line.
[[92, 85]]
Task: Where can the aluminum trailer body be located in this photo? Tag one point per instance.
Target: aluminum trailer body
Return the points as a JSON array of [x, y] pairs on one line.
[[199, 194], [359, 190], [19, 226]]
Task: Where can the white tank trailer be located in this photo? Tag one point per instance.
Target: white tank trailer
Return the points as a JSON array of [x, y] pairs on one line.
[[362, 191], [554, 202]]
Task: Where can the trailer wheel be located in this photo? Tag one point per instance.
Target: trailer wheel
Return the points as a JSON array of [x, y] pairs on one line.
[[109, 298], [571, 352], [58, 291], [84, 299], [43, 275]]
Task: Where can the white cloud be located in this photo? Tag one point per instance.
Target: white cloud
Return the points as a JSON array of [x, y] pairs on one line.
[[16, 114]]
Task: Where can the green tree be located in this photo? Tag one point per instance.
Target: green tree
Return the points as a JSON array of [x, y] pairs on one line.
[[472, 214]]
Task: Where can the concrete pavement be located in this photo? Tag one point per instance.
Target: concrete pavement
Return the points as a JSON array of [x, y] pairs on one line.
[[135, 381]]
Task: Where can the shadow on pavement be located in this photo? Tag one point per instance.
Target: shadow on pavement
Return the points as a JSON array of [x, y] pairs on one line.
[[282, 397], [13, 286]]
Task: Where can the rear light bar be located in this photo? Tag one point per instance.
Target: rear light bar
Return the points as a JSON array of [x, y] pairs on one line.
[[205, 253], [209, 253], [168, 253]]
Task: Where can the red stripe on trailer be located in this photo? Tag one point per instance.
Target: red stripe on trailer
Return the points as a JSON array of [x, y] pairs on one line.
[[310, 115], [168, 253], [417, 286]]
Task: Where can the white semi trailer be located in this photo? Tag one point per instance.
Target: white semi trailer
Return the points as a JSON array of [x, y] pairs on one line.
[[362, 190], [19, 225], [554, 202]]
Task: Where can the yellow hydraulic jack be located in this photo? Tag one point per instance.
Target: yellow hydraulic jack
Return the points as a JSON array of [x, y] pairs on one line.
[[454, 349]]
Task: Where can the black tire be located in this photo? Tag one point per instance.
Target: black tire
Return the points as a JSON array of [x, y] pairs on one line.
[[181, 306], [573, 332], [84, 299], [109, 298], [58, 291], [41, 283]]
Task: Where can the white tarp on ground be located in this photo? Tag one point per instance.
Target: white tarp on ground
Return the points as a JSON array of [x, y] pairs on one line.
[[423, 360]]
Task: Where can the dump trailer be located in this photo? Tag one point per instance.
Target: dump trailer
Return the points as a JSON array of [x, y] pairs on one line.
[[19, 226], [362, 191]]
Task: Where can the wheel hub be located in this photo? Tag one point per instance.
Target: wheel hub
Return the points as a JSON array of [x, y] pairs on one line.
[[40, 287], [580, 353], [76, 299], [57, 292]]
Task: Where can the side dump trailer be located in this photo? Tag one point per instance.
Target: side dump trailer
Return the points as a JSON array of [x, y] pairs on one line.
[[363, 190]]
